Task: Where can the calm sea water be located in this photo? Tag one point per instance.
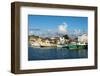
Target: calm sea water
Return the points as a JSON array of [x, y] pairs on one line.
[[55, 53]]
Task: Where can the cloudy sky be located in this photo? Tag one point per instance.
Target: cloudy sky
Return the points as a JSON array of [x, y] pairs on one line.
[[52, 25]]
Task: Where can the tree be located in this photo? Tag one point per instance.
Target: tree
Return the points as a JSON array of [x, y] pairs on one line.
[[66, 36]]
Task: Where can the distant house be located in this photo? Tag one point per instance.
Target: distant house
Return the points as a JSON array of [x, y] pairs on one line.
[[61, 40], [54, 40], [83, 38], [47, 41]]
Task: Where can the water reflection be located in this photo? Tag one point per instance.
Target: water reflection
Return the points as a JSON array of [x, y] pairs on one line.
[[55, 53]]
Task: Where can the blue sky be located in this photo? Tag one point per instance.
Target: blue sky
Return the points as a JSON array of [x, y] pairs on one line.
[[44, 25]]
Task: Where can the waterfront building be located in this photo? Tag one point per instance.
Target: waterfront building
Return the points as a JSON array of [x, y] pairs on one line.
[[83, 38]]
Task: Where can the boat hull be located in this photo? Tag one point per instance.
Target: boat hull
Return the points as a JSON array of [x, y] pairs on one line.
[[76, 47]]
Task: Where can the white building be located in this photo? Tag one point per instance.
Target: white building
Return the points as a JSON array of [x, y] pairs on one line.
[[61, 40], [83, 38]]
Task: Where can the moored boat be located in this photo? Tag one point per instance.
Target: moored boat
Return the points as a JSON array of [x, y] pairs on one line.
[[62, 45], [75, 46]]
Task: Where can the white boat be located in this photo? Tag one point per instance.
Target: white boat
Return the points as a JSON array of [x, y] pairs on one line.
[[62, 45]]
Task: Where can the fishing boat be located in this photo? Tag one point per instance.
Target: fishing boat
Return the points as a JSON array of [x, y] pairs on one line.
[[72, 45], [75, 46], [81, 45]]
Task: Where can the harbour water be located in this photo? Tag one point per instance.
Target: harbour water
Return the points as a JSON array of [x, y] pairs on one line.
[[49, 53]]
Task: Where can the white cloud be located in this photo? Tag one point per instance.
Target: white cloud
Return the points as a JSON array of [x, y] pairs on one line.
[[63, 28]]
